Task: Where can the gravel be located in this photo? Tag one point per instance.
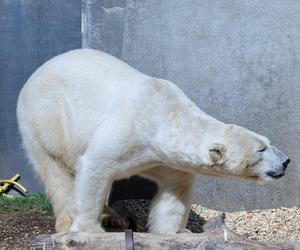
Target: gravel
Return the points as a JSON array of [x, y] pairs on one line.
[[280, 224], [16, 228]]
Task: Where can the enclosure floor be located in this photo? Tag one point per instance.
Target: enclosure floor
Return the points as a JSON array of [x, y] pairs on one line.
[[16, 228], [281, 225]]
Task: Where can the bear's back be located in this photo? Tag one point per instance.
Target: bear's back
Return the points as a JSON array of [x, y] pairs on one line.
[[70, 95]]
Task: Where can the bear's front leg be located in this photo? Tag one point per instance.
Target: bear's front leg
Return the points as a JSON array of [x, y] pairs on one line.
[[94, 175], [171, 206], [91, 189]]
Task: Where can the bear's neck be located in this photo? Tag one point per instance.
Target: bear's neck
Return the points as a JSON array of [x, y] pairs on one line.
[[184, 138]]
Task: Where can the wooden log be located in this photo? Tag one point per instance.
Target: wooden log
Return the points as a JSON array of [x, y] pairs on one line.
[[215, 236]]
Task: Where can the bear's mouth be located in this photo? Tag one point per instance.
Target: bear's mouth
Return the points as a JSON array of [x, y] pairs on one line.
[[254, 177], [275, 175]]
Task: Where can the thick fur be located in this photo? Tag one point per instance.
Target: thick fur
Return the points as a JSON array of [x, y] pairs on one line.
[[87, 119]]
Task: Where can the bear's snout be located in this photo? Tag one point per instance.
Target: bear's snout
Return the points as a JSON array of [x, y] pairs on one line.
[[280, 172]]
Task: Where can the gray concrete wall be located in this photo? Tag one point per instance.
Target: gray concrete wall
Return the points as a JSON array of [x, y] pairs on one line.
[[31, 32], [238, 60]]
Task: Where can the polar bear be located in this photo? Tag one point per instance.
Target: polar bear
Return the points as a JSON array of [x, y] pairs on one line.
[[86, 119]]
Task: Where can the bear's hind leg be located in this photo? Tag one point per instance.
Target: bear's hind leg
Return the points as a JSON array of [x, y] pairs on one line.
[[59, 188], [171, 206], [58, 185]]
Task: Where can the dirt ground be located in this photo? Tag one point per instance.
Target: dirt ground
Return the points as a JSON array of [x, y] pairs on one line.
[[281, 225], [17, 228]]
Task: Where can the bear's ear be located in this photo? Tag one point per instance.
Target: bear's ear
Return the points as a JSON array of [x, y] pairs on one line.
[[217, 153]]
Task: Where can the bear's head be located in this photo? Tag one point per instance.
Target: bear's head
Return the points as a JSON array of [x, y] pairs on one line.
[[238, 152]]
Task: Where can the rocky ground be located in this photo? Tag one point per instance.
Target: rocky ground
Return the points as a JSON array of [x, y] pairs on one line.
[[280, 225], [16, 228]]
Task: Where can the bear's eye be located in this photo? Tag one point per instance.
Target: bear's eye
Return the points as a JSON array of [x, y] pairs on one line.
[[262, 149]]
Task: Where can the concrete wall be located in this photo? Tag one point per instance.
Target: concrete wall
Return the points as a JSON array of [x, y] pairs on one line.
[[238, 60], [31, 32]]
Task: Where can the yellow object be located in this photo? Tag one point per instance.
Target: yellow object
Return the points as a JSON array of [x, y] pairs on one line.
[[8, 183]]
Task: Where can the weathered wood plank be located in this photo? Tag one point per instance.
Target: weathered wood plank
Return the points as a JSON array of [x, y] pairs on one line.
[[113, 241], [215, 236]]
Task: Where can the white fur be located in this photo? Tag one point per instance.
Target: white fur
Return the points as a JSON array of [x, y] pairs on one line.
[[87, 119]]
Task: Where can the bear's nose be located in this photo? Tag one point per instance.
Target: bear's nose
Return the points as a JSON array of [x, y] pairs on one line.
[[285, 164]]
